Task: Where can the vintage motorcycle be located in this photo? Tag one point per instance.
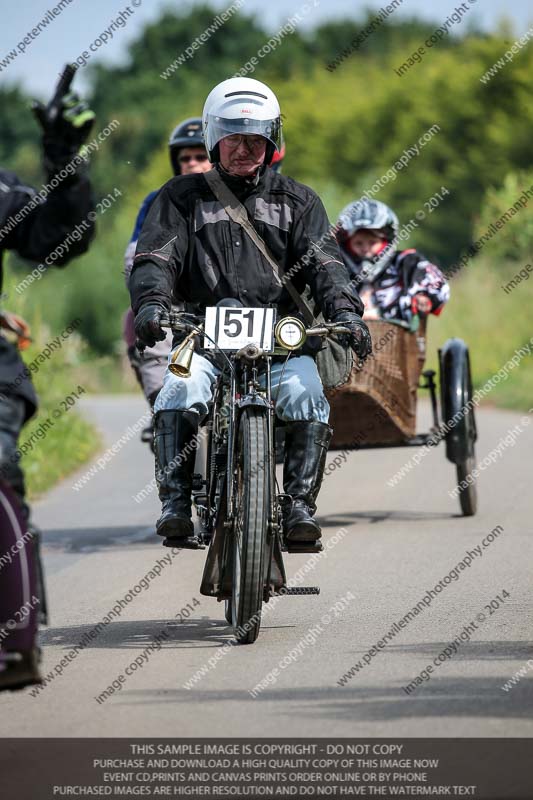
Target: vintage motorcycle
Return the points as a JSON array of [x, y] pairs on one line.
[[237, 499]]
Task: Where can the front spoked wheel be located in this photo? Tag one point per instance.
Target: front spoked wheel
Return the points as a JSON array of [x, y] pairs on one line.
[[250, 531]]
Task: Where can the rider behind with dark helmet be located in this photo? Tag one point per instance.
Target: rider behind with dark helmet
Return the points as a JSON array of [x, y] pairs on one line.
[[186, 146]]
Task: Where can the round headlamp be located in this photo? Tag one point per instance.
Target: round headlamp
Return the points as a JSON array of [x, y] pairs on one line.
[[290, 333]]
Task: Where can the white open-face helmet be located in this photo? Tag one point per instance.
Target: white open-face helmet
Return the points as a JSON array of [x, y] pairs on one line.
[[241, 105]]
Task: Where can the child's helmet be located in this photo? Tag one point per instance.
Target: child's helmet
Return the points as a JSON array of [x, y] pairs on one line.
[[370, 215]]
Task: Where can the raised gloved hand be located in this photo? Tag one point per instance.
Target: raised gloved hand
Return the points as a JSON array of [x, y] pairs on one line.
[[359, 338], [66, 122], [147, 324]]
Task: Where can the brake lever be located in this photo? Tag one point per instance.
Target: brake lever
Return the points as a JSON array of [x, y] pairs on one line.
[[173, 321], [325, 330]]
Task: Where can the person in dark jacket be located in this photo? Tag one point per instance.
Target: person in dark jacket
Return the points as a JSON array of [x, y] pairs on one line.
[[51, 227], [188, 156], [51, 230], [189, 250]]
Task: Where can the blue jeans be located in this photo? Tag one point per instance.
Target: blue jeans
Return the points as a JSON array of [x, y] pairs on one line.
[[296, 389]]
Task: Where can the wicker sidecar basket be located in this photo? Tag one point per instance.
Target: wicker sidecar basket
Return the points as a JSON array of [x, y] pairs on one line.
[[377, 405]]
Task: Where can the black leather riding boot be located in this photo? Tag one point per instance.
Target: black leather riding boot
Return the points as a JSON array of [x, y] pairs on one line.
[[175, 439], [306, 446]]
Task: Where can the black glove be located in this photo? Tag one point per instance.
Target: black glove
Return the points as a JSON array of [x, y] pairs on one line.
[[147, 326], [66, 122], [359, 338]]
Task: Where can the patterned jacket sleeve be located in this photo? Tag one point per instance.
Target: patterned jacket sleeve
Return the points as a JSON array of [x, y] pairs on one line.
[[423, 276]]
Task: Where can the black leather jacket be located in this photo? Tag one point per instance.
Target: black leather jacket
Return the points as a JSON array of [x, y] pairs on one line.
[[189, 249]]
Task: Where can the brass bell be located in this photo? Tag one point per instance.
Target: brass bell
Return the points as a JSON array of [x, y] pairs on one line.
[[180, 363]]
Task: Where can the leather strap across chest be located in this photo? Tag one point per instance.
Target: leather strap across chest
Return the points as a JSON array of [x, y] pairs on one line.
[[237, 212]]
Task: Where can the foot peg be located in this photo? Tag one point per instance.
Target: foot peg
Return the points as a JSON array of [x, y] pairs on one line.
[[184, 542], [302, 547]]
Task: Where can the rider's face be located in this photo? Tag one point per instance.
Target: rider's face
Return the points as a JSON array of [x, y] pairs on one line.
[[242, 154], [365, 244], [193, 159]]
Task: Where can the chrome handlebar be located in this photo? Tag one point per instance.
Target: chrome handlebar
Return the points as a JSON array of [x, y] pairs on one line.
[[177, 321]]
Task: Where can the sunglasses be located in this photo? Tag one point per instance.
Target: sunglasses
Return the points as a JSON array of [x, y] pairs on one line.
[[187, 159]]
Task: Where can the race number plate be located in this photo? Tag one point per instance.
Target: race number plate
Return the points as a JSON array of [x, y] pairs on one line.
[[233, 328]]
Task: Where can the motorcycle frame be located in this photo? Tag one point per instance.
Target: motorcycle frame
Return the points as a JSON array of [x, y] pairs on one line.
[[243, 391]]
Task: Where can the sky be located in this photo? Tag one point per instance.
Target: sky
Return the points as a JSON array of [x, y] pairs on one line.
[[38, 62]]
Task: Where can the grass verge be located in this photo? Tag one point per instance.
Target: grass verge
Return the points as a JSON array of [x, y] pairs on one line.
[[494, 323]]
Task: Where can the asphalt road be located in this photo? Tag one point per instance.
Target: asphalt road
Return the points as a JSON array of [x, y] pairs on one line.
[[387, 547]]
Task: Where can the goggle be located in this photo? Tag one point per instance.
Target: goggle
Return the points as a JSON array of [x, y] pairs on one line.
[[252, 142]]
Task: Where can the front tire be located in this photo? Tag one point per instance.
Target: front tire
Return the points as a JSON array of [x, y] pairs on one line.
[[250, 529]]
